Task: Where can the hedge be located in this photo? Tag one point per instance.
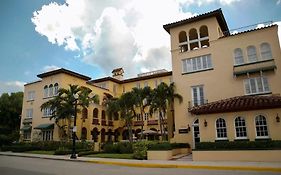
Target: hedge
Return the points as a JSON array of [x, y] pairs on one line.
[[120, 148], [180, 145], [84, 153], [160, 146], [239, 145]]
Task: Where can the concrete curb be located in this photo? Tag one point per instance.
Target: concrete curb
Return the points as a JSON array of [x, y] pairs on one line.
[[144, 164]]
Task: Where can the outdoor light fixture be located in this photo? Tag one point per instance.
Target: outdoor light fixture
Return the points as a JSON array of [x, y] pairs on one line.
[[205, 123], [73, 155], [188, 128], [277, 118]]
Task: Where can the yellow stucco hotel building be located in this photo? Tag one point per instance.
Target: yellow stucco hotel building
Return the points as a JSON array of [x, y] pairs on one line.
[[230, 84]]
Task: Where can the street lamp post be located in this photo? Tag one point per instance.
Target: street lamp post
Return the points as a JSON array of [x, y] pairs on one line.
[[73, 155]]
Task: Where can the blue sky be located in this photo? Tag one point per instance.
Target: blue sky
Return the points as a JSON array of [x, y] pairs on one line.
[[93, 37]]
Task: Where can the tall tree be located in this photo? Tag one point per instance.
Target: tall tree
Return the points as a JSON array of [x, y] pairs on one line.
[[63, 106], [141, 101], [10, 111], [162, 98]]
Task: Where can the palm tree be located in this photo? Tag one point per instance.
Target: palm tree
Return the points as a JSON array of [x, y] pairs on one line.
[[141, 101], [161, 99], [63, 106], [171, 96]]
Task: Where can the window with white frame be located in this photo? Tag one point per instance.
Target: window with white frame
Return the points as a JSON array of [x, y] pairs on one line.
[[221, 129], [256, 85], [56, 89], [46, 91], [145, 84], [238, 56], [29, 113], [47, 135], [261, 127], [138, 117], [138, 85], [156, 83], [51, 90], [265, 51], [146, 116], [252, 54], [196, 64], [197, 95], [30, 95], [47, 112], [240, 128]]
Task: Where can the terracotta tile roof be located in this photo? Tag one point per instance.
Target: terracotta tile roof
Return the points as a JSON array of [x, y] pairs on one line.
[[251, 30], [216, 13], [239, 103]]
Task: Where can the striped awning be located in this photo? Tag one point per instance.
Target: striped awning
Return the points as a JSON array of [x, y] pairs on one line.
[[45, 126]]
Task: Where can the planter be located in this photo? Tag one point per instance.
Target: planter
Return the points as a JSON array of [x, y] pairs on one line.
[[238, 155], [160, 155]]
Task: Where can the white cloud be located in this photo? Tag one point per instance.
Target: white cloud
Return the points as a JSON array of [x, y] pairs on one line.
[[278, 2], [11, 86], [207, 2], [50, 68], [112, 33]]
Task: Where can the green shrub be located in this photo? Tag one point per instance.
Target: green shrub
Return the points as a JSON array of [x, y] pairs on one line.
[[180, 145], [62, 151], [160, 146], [140, 149], [239, 145], [19, 148], [120, 148], [84, 153]]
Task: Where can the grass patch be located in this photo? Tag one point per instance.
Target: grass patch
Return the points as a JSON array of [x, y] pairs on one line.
[[112, 156], [41, 152]]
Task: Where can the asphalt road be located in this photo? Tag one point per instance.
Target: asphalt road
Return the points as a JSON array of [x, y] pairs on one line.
[[33, 166]]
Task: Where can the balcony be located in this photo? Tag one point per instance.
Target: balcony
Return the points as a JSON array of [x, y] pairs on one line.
[[95, 121], [27, 121], [152, 122], [103, 123], [138, 123], [194, 103], [110, 123], [244, 69]]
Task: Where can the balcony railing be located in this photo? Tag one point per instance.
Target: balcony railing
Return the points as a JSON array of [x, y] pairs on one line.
[[152, 122], [197, 103], [103, 123], [110, 123], [27, 120], [264, 65], [138, 123], [95, 121]]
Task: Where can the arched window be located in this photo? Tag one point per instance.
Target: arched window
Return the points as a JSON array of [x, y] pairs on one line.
[[240, 127], [95, 134], [84, 134], [56, 89], [193, 39], [46, 91], [95, 113], [84, 113], [261, 127], [183, 41], [51, 92], [221, 129], [252, 53], [238, 56], [265, 51], [116, 116], [204, 36], [103, 115]]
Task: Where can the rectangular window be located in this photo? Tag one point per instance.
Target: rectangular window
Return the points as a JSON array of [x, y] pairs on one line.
[[29, 113], [256, 85], [145, 84], [146, 116], [47, 135], [197, 95], [31, 95], [196, 64], [138, 85], [156, 83], [47, 112]]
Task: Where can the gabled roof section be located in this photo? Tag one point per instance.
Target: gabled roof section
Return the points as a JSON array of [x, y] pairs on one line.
[[62, 70], [216, 13], [162, 74], [239, 103]]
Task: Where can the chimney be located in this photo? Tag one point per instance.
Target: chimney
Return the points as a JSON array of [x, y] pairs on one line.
[[118, 73]]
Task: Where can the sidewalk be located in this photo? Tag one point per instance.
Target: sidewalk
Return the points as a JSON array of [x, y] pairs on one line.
[[246, 166]]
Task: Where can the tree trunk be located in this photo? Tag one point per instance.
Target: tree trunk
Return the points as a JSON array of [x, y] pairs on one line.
[[161, 125], [129, 126]]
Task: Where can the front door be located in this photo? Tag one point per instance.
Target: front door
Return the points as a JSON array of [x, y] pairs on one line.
[[196, 132]]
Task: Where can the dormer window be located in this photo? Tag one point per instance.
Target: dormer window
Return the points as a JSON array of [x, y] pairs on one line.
[[204, 36], [193, 39], [183, 42]]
